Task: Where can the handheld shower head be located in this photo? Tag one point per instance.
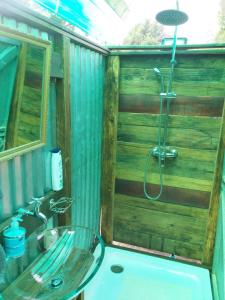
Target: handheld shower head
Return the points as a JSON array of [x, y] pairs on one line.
[[157, 72]]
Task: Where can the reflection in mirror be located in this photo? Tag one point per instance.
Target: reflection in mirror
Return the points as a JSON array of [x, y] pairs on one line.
[[24, 80], [9, 53]]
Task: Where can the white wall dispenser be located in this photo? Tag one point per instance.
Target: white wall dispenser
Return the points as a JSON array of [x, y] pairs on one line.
[[56, 170]]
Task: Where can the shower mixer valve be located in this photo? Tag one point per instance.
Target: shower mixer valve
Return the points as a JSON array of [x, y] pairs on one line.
[[171, 95], [164, 153]]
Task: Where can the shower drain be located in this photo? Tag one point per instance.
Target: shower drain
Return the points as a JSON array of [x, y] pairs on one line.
[[56, 282], [117, 269]]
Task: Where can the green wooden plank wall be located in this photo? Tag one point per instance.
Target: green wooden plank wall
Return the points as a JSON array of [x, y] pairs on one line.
[[29, 116], [177, 222]]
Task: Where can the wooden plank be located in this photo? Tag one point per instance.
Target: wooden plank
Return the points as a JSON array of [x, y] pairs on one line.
[[56, 65], [184, 249], [161, 207], [214, 201], [35, 55], [132, 238], [12, 130], [144, 81], [143, 129], [169, 180], [156, 243], [209, 75], [182, 196], [192, 138], [184, 75], [179, 223], [29, 117], [153, 52], [181, 172], [182, 105], [29, 130], [201, 123], [109, 146], [186, 61], [33, 79], [163, 47], [169, 246], [165, 225], [31, 103], [63, 120]]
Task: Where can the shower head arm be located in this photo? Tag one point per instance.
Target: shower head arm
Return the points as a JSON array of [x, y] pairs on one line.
[[174, 47], [172, 61]]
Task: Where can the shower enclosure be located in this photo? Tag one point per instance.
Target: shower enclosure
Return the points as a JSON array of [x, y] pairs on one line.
[[179, 221]]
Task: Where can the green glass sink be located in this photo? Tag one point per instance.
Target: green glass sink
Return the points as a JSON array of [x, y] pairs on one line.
[[57, 264]]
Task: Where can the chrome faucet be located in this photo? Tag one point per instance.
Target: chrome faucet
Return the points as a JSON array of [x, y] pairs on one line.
[[36, 212]]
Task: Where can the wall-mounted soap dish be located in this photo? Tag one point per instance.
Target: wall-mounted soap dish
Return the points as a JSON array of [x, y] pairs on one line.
[[60, 205]]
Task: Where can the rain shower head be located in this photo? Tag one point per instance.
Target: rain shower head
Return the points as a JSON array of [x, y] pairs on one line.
[[171, 17]]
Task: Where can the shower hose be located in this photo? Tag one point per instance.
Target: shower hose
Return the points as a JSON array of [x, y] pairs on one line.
[[163, 120]]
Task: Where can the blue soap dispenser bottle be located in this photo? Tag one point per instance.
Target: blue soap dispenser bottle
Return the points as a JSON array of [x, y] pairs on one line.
[[14, 239]]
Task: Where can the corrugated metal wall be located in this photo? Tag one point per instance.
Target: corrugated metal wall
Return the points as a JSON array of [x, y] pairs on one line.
[[23, 27], [87, 69], [29, 174]]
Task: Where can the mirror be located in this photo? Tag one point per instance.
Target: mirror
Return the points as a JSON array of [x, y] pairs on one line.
[[24, 85]]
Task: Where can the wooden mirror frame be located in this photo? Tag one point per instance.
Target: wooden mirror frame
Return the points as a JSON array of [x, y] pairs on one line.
[[46, 45]]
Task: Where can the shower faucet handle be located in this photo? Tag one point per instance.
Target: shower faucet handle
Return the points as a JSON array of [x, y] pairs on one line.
[[171, 95]]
